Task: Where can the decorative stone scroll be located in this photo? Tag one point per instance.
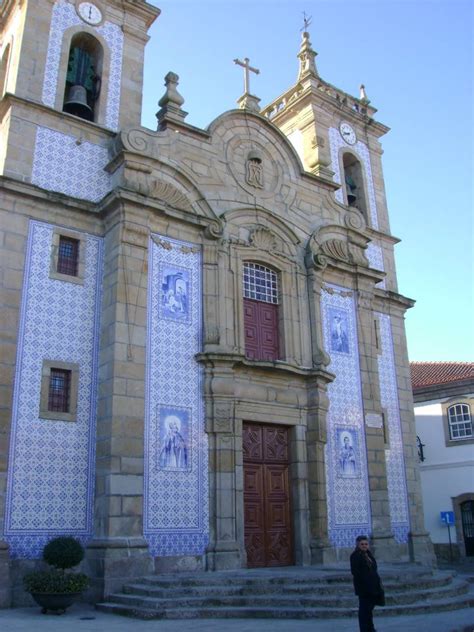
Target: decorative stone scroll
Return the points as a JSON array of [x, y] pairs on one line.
[[169, 194], [336, 244]]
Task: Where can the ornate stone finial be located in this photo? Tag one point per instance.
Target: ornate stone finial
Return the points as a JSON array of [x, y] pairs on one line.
[[363, 94], [307, 54], [171, 102], [248, 101]]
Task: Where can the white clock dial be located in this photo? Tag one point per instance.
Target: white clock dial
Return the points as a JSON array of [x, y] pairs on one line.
[[347, 133], [89, 13]]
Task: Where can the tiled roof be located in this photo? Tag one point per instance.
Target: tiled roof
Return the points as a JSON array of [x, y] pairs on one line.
[[433, 373]]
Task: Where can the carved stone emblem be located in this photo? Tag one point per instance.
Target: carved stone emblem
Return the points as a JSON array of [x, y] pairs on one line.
[[254, 170]]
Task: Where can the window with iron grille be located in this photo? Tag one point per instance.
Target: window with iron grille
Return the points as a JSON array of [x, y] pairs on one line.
[[260, 283], [68, 255], [261, 317], [59, 390], [460, 422]]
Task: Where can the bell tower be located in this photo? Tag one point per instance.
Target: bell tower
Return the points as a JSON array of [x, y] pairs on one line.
[[66, 63]]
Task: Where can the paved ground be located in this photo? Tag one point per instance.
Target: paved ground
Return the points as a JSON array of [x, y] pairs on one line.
[[86, 619]]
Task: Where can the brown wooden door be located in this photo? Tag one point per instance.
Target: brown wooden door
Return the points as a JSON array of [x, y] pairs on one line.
[[261, 330], [268, 534]]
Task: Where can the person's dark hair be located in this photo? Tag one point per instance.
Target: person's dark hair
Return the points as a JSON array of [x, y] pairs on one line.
[[361, 538]]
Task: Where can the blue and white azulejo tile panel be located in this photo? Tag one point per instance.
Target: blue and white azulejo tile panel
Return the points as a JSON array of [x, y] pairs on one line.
[[396, 478], [346, 463], [61, 165], [50, 485], [176, 510], [64, 16]]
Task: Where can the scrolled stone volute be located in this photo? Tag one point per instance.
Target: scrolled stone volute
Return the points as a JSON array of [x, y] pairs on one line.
[[336, 245], [214, 229]]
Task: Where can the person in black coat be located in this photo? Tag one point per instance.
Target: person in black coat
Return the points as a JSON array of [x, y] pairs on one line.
[[367, 584]]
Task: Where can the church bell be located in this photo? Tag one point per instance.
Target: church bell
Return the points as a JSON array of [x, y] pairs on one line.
[[76, 103]]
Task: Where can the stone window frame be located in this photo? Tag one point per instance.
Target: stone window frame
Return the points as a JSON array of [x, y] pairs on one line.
[[449, 442], [44, 413], [53, 271], [286, 281]]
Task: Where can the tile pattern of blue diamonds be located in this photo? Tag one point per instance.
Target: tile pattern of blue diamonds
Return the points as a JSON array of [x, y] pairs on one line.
[[176, 506], [52, 463], [397, 490], [347, 488]]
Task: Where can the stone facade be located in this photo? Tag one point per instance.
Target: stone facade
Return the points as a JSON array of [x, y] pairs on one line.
[[187, 209]]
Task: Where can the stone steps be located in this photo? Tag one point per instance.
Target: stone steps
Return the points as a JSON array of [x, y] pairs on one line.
[[296, 600], [153, 588], [291, 595]]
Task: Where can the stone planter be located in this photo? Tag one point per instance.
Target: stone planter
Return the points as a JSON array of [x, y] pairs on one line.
[[55, 602]]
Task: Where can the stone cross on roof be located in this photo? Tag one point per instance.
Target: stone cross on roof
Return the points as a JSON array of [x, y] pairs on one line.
[[247, 67], [248, 101]]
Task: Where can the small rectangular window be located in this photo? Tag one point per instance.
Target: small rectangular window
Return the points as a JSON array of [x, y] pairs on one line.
[[68, 255], [59, 390]]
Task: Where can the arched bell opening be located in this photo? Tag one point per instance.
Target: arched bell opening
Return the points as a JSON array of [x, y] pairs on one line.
[[83, 78], [354, 183]]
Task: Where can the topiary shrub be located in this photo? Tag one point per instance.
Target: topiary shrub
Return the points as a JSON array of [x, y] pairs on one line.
[[63, 552]]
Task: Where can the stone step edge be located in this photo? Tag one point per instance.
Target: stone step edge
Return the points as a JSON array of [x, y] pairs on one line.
[[284, 613], [455, 589], [176, 590]]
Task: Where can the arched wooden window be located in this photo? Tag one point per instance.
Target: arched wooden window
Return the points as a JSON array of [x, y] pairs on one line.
[[83, 77], [261, 319], [460, 422], [354, 183]]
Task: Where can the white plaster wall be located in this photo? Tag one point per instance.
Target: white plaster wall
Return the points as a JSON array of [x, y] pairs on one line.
[[446, 472]]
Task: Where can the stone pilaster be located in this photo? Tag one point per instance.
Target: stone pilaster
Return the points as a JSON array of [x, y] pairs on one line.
[[316, 434], [316, 439], [382, 537], [223, 551], [118, 551]]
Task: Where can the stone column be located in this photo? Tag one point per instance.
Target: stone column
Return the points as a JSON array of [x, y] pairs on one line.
[[118, 551], [382, 536]]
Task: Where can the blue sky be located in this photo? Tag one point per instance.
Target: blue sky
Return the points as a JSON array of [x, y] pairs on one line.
[[415, 58]]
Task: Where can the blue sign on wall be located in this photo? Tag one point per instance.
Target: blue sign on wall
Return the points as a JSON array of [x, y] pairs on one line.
[[447, 517]]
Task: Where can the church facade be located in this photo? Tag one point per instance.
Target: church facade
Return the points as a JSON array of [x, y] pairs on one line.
[[203, 361]]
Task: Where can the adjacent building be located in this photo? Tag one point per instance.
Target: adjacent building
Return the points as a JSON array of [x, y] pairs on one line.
[[444, 409]]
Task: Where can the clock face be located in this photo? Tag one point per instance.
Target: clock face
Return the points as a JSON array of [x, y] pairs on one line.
[[89, 13], [347, 133]]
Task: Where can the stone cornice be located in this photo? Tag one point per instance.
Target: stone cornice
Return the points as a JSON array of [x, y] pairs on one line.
[[393, 299], [317, 89], [235, 361], [377, 234], [147, 12], [26, 189], [10, 100]]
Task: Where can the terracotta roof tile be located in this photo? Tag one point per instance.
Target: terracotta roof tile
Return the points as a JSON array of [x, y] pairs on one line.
[[432, 373]]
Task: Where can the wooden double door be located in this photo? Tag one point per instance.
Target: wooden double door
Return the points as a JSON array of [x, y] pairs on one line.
[[267, 503]]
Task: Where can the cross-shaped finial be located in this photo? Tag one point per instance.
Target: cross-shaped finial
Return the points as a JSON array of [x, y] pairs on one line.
[[306, 21], [246, 66]]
